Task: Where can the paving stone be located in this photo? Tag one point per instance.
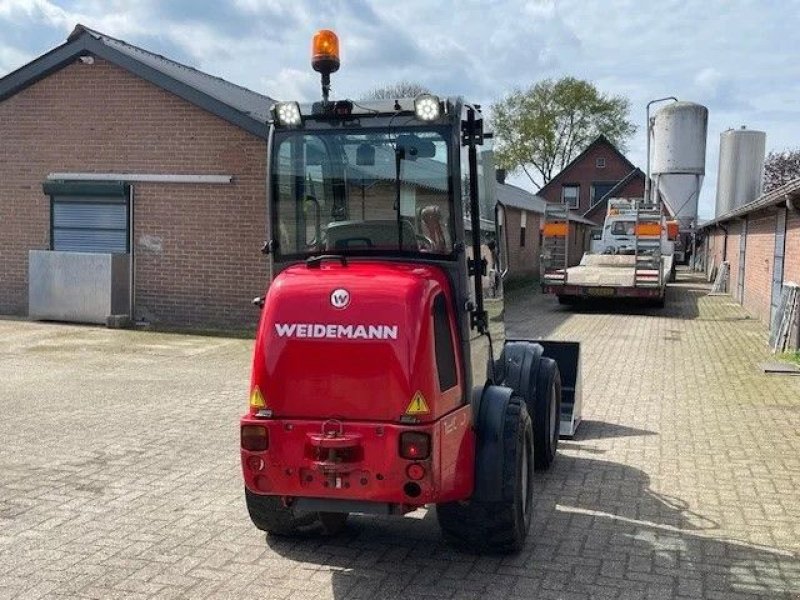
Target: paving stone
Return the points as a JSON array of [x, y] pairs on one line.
[[119, 472]]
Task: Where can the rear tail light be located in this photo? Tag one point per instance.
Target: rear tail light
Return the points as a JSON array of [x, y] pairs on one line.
[[415, 471], [415, 446], [255, 438]]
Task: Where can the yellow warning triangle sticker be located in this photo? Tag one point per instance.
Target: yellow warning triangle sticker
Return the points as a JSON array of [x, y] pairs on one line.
[[256, 399], [418, 406]]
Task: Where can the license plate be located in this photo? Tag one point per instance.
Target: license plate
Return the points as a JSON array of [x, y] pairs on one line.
[[601, 291]]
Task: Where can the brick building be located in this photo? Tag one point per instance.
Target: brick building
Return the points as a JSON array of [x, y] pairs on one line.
[[107, 147], [761, 243], [523, 220], [598, 173]]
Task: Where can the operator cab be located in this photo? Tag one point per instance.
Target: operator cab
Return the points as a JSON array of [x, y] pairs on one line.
[[391, 181], [381, 192]]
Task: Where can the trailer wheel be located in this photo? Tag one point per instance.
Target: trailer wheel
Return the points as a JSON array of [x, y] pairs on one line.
[[269, 514], [498, 527], [546, 413]]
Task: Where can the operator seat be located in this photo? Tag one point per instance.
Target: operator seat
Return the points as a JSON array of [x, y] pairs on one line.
[[377, 234]]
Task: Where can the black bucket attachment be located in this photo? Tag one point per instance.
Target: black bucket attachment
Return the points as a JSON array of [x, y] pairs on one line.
[[567, 355]]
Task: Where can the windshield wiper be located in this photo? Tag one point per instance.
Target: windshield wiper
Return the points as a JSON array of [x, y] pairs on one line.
[[314, 262]]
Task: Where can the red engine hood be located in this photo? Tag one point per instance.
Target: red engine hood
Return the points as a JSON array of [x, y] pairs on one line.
[[350, 342]]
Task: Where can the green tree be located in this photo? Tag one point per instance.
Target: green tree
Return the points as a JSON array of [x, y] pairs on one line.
[[541, 129], [401, 89]]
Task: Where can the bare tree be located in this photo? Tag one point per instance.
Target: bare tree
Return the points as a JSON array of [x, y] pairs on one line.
[[781, 168], [401, 89]]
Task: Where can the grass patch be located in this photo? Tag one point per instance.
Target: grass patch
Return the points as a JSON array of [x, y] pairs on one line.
[[243, 334], [791, 357]]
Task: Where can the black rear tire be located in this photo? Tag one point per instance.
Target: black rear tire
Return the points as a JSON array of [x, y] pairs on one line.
[[498, 527], [546, 413], [269, 514]]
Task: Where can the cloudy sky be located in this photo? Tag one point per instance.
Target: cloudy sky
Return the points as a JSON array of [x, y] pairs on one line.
[[738, 57]]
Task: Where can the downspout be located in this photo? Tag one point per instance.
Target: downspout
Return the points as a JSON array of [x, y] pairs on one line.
[[132, 260], [724, 242]]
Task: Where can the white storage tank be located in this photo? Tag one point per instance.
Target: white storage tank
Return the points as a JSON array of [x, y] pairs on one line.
[[679, 157], [679, 138], [741, 168]]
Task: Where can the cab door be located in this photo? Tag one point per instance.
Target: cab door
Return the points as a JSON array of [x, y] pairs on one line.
[[484, 346]]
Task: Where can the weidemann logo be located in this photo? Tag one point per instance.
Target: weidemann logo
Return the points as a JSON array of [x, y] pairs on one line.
[[336, 332]]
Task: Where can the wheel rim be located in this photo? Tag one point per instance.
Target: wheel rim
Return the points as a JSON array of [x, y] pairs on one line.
[[525, 482], [554, 417]]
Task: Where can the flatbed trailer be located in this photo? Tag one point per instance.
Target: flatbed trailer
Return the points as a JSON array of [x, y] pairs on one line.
[[640, 269]]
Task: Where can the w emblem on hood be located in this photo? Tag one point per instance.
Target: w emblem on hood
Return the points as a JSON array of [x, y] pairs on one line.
[[340, 298]]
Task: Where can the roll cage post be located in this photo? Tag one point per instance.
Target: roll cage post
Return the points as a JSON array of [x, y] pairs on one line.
[[472, 136]]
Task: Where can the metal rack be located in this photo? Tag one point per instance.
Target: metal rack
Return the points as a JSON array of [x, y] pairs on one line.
[[647, 266], [555, 245]]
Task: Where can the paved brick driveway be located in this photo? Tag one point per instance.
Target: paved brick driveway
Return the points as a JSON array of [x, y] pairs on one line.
[[119, 473]]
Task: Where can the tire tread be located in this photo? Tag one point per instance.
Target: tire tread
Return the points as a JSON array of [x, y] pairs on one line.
[[491, 526]]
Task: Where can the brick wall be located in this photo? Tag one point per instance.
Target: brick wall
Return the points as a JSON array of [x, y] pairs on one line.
[[196, 245], [716, 249], [791, 267], [523, 262], [760, 255], [585, 171], [632, 189]]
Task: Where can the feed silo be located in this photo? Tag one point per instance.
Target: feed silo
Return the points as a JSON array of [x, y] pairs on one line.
[[741, 168], [679, 133]]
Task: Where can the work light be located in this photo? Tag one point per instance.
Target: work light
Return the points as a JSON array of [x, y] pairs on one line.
[[288, 114], [427, 107]]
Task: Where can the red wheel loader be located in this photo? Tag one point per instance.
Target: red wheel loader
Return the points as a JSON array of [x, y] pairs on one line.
[[381, 378]]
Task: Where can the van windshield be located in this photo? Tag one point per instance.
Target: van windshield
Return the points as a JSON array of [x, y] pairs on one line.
[[623, 228], [339, 193]]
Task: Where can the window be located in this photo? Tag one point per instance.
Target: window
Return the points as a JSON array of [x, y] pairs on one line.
[[570, 195], [600, 189], [521, 237], [523, 222], [86, 217], [623, 228], [337, 192], [443, 342], [600, 163]]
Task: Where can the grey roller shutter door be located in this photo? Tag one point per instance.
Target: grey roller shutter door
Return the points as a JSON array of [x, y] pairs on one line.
[[88, 217]]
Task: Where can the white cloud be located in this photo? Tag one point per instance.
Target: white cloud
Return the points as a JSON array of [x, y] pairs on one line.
[[708, 80], [736, 57], [11, 59], [294, 84]]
